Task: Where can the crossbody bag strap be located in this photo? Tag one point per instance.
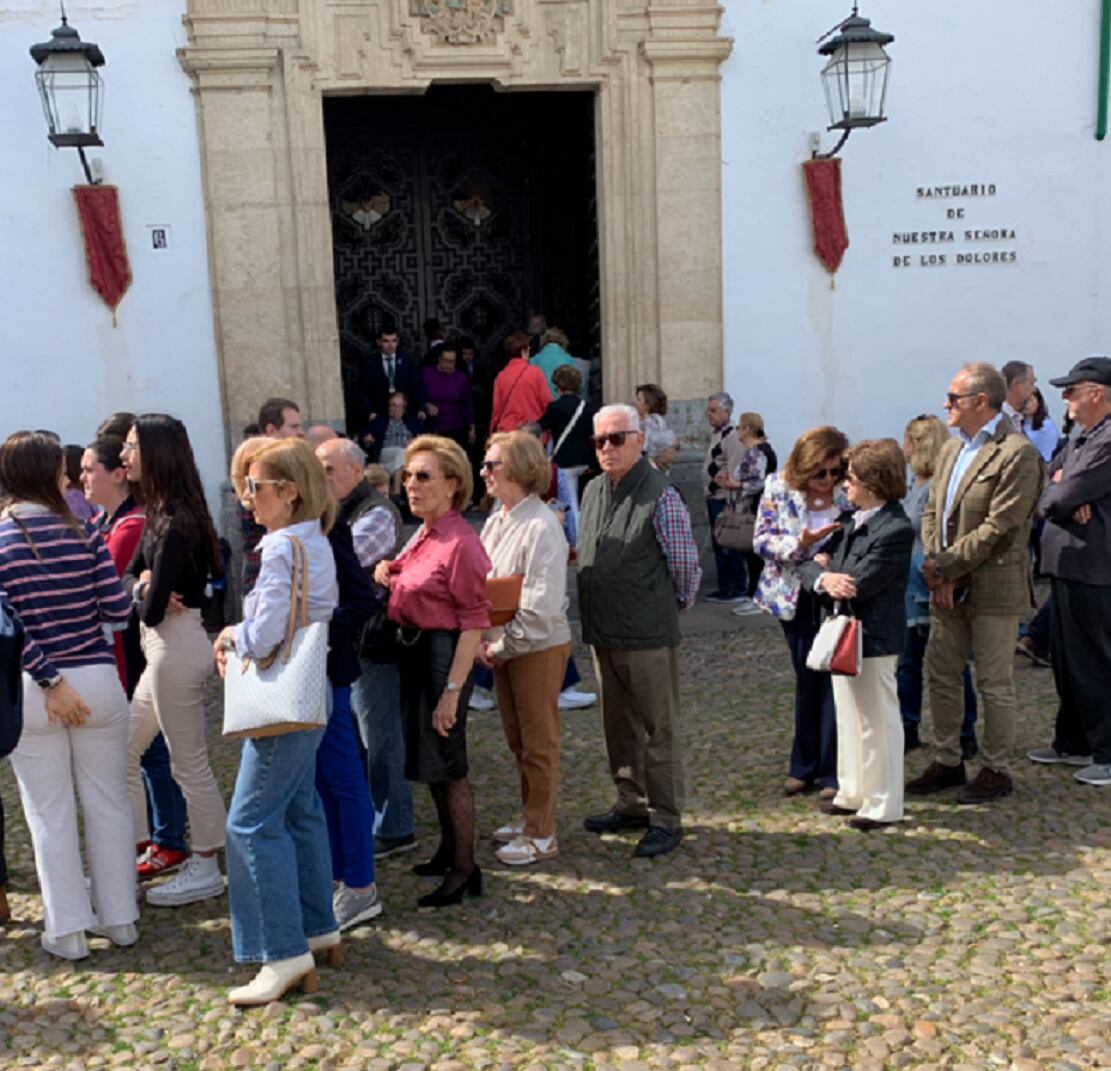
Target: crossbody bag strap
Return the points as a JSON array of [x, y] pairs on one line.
[[567, 430]]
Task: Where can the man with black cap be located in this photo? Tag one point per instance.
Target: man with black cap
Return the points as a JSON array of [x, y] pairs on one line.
[[1076, 553]]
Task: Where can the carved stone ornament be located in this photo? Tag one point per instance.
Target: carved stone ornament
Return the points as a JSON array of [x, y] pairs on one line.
[[461, 22]]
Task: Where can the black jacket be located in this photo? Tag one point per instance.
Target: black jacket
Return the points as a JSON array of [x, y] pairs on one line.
[[375, 385], [578, 447], [356, 604], [877, 556]]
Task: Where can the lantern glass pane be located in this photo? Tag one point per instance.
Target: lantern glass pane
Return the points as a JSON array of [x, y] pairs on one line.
[[71, 93], [855, 83]]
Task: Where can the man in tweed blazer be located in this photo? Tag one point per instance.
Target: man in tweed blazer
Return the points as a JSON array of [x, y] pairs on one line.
[[975, 532]]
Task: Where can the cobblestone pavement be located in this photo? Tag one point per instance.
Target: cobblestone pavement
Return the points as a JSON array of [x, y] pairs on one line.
[[775, 937]]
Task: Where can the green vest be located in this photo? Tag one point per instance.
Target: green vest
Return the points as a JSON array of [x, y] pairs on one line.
[[626, 598]]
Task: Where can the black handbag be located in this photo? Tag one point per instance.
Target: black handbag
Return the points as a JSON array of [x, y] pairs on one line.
[[378, 638], [11, 678]]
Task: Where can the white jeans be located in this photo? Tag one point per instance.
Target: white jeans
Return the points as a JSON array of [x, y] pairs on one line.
[[170, 699], [870, 741], [48, 762]]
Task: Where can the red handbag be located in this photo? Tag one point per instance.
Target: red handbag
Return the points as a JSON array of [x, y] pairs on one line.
[[849, 652]]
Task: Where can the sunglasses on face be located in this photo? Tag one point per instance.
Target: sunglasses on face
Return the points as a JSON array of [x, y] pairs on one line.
[[821, 474], [253, 485], [489, 466], [420, 475], [614, 438], [952, 398]]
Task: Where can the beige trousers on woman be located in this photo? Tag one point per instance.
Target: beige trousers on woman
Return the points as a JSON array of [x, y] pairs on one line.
[[170, 699]]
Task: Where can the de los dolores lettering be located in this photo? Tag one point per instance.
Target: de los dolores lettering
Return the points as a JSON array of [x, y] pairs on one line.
[[952, 242]]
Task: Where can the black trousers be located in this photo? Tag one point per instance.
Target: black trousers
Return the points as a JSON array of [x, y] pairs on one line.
[[3, 861], [1080, 642]]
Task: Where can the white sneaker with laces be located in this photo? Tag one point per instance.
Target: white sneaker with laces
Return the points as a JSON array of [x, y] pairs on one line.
[[525, 850], [481, 699], [572, 699], [198, 879], [510, 831]]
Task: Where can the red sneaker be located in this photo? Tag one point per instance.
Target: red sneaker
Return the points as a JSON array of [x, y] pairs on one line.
[[156, 860]]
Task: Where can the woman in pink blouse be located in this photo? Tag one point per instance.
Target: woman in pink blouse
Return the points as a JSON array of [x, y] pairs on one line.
[[438, 599]]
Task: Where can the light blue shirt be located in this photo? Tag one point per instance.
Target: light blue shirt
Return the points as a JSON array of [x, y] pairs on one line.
[[266, 608], [969, 449]]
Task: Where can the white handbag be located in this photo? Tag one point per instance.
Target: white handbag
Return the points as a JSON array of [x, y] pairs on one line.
[[282, 695]]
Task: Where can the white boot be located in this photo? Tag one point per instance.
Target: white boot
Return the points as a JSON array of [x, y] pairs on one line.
[[123, 935], [275, 979], [68, 945]]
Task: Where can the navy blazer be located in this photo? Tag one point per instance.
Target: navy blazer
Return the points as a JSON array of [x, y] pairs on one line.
[[356, 604], [374, 384], [877, 556]]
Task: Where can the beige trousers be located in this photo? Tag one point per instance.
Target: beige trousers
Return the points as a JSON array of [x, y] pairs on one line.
[[990, 638], [170, 699], [640, 719], [870, 741]]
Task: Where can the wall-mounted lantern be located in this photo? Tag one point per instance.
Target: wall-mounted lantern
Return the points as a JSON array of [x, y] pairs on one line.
[[855, 76], [72, 91]]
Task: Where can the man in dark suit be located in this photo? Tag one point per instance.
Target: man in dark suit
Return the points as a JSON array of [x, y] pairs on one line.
[[387, 371]]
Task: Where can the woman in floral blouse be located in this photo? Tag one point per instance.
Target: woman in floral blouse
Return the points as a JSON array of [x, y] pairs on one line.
[[798, 513]]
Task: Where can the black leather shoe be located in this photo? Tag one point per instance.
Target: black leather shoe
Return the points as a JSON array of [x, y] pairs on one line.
[[866, 825], [436, 867], [829, 807], [613, 821], [658, 841], [448, 893]]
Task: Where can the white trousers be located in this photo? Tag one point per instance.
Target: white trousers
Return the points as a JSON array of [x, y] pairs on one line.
[[48, 762], [169, 698], [870, 741]]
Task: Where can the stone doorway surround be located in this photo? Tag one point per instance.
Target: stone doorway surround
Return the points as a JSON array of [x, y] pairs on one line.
[[260, 69]]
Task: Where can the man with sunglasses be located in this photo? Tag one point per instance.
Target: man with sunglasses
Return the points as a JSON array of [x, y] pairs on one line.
[[638, 567], [975, 531], [1076, 553]]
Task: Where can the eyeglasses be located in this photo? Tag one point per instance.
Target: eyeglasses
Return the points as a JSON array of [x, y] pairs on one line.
[[489, 466], [253, 485], [821, 474], [615, 438], [952, 398], [127, 447], [420, 475]]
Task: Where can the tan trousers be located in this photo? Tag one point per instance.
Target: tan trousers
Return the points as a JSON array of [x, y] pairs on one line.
[[528, 699], [954, 636], [870, 741], [170, 699], [640, 719]]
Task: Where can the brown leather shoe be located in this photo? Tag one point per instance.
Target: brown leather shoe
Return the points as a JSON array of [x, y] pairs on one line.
[[986, 786], [794, 785], [829, 807], [5, 911], [936, 778]]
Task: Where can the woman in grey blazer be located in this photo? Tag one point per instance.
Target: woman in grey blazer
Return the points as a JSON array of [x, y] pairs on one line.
[[865, 564]]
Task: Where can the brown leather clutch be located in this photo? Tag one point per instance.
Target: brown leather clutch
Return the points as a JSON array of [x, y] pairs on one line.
[[504, 593]]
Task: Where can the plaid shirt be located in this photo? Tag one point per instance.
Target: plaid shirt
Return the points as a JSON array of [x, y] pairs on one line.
[[672, 523]]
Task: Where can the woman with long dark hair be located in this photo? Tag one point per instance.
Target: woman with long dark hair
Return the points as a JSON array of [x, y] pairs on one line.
[[167, 579], [59, 577]]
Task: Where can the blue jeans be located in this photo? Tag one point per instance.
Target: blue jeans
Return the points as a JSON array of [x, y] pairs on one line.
[[376, 703], [908, 679], [730, 564], [814, 748], [341, 782], [279, 862], [165, 803]]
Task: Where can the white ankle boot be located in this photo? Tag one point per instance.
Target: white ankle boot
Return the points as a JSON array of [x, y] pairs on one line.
[[67, 946], [275, 979], [123, 935], [327, 948]]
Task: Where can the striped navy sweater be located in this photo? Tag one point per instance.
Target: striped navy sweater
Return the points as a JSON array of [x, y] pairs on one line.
[[67, 598]]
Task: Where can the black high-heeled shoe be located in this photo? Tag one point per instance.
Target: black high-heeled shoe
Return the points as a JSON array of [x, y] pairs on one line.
[[471, 885], [437, 867]]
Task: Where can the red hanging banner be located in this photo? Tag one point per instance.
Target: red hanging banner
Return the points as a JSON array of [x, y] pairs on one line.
[[823, 188], [105, 249]]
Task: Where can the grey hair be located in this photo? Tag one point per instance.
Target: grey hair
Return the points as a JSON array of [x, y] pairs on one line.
[[657, 440], [983, 378], [350, 452], [632, 417], [724, 399]]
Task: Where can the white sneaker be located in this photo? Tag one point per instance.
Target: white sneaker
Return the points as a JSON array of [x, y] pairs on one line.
[[747, 608], [526, 850], [122, 936], [199, 879], [510, 831], [70, 946], [481, 699], [571, 699]]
